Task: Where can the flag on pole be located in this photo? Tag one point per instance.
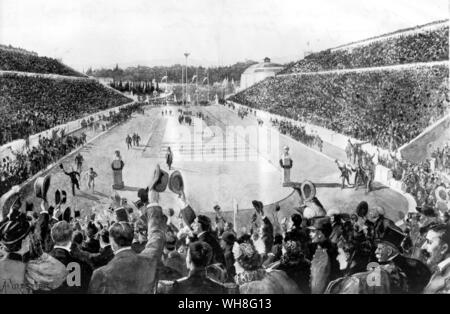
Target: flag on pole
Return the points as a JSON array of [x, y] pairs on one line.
[[235, 212], [205, 79], [164, 78], [194, 78]]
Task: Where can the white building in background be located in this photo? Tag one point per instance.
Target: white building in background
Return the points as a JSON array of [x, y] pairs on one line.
[[105, 80], [259, 72]]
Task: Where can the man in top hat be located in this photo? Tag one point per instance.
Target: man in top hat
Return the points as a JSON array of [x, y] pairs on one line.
[[324, 266], [129, 272], [389, 253], [286, 163], [437, 253]]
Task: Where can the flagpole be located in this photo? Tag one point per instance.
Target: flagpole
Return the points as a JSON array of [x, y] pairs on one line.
[[165, 89], [186, 54], [196, 87]]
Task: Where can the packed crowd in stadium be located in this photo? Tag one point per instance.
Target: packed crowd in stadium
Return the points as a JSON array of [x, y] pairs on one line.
[[29, 105], [13, 59], [388, 108], [424, 46]]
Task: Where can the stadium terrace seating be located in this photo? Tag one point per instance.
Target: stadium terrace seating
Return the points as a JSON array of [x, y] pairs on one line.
[[29, 105], [421, 46], [386, 107], [16, 60]]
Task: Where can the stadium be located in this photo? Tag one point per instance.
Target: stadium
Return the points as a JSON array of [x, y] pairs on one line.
[[365, 124]]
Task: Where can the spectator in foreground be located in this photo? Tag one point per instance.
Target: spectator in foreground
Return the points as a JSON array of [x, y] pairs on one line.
[[197, 259], [129, 272]]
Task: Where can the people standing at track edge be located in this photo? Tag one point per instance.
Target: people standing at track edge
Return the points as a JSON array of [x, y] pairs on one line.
[[128, 140], [345, 173], [286, 163], [79, 161], [169, 158], [74, 176]]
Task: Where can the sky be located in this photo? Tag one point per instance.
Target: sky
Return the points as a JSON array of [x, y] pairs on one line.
[[101, 33]]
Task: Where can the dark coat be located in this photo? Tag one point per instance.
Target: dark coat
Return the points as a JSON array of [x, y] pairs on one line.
[[91, 246], [299, 271], [129, 272], [198, 283], [229, 264], [102, 258], [267, 234], [42, 231], [217, 256], [417, 273], [66, 258]]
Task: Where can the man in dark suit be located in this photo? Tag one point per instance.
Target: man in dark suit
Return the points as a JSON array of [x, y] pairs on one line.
[[388, 252], [227, 241], [198, 255], [43, 226], [91, 245], [74, 179], [106, 253], [202, 229], [79, 272], [129, 272]]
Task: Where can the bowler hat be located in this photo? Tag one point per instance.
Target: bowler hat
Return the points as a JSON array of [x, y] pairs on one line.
[[160, 180], [176, 184]]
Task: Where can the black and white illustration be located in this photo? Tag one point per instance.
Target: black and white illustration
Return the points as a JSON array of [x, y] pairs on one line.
[[224, 147]]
